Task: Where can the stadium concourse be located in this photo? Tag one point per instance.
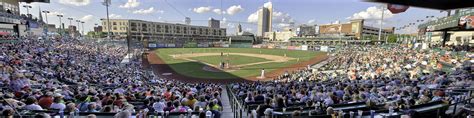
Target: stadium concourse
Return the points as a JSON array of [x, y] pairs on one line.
[[68, 77]]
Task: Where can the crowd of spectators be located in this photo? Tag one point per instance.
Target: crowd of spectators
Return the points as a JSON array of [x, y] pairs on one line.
[[73, 76], [372, 74]]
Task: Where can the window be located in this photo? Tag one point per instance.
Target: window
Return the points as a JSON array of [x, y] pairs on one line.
[[114, 23]]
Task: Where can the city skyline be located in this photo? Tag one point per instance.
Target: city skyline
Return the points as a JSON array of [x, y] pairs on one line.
[[231, 13]]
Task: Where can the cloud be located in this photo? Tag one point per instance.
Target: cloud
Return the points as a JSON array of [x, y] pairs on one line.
[[283, 25], [130, 4], [371, 13], [75, 2], [147, 11], [312, 21], [248, 29], [253, 18], [218, 11], [280, 17], [234, 9], [224, 20], [115, 16], [201, 10], [267, 4], [87, 18]]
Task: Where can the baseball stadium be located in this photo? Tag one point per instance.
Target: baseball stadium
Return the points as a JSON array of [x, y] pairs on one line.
[[236, 59]]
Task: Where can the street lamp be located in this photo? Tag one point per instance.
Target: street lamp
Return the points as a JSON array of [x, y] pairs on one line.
[[70, 21], [46, 14], [27, 9], [60, 23], [70, 24]]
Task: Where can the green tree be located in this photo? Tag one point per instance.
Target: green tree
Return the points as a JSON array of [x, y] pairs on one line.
[[392, 38]]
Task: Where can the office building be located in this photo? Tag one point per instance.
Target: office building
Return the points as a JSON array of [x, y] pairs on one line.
[[213, 23], [265, 20]]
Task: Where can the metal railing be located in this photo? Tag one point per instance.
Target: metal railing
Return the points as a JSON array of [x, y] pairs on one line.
[[462, 99], [237, 107]]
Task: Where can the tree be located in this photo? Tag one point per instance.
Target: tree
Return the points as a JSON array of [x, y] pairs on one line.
[[392, 38]]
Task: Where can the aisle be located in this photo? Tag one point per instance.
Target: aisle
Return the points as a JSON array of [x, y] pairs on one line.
[[227, 113]]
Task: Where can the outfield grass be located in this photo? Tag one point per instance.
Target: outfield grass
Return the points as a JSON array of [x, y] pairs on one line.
[[233, 59], [194, 69]]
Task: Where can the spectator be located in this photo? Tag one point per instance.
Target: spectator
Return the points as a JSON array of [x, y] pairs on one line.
[[58, 103], [31, 104]]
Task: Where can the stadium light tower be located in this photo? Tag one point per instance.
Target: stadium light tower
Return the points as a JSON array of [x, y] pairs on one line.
[[107, 3], [70, 21], [60, 22], [82, 22], [78, 21], [381, 24]]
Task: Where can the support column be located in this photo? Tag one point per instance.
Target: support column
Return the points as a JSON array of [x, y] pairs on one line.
[[445, 37]]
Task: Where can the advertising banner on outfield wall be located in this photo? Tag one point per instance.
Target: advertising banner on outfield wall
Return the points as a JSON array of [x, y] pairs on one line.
[[291, 47], [324, 48], [178, 45], [304, 47], [256, 46], [170, 45], [152, 45], [298, 48], [203, 45], [160, 45]]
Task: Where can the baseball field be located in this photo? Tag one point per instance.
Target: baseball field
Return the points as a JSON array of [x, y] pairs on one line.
[[231, 63]]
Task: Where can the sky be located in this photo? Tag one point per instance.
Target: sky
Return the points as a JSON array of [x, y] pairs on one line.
[[231, 12]]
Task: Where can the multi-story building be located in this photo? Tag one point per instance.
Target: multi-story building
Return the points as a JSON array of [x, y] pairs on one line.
[[265, 20], [354, 28], [98, 29], [307, 30], [162, 32], [283, 36], [374, 31], [14, 23], [213, 23]]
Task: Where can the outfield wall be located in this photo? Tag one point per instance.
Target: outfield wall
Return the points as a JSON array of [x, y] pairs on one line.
[[153, 45]]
